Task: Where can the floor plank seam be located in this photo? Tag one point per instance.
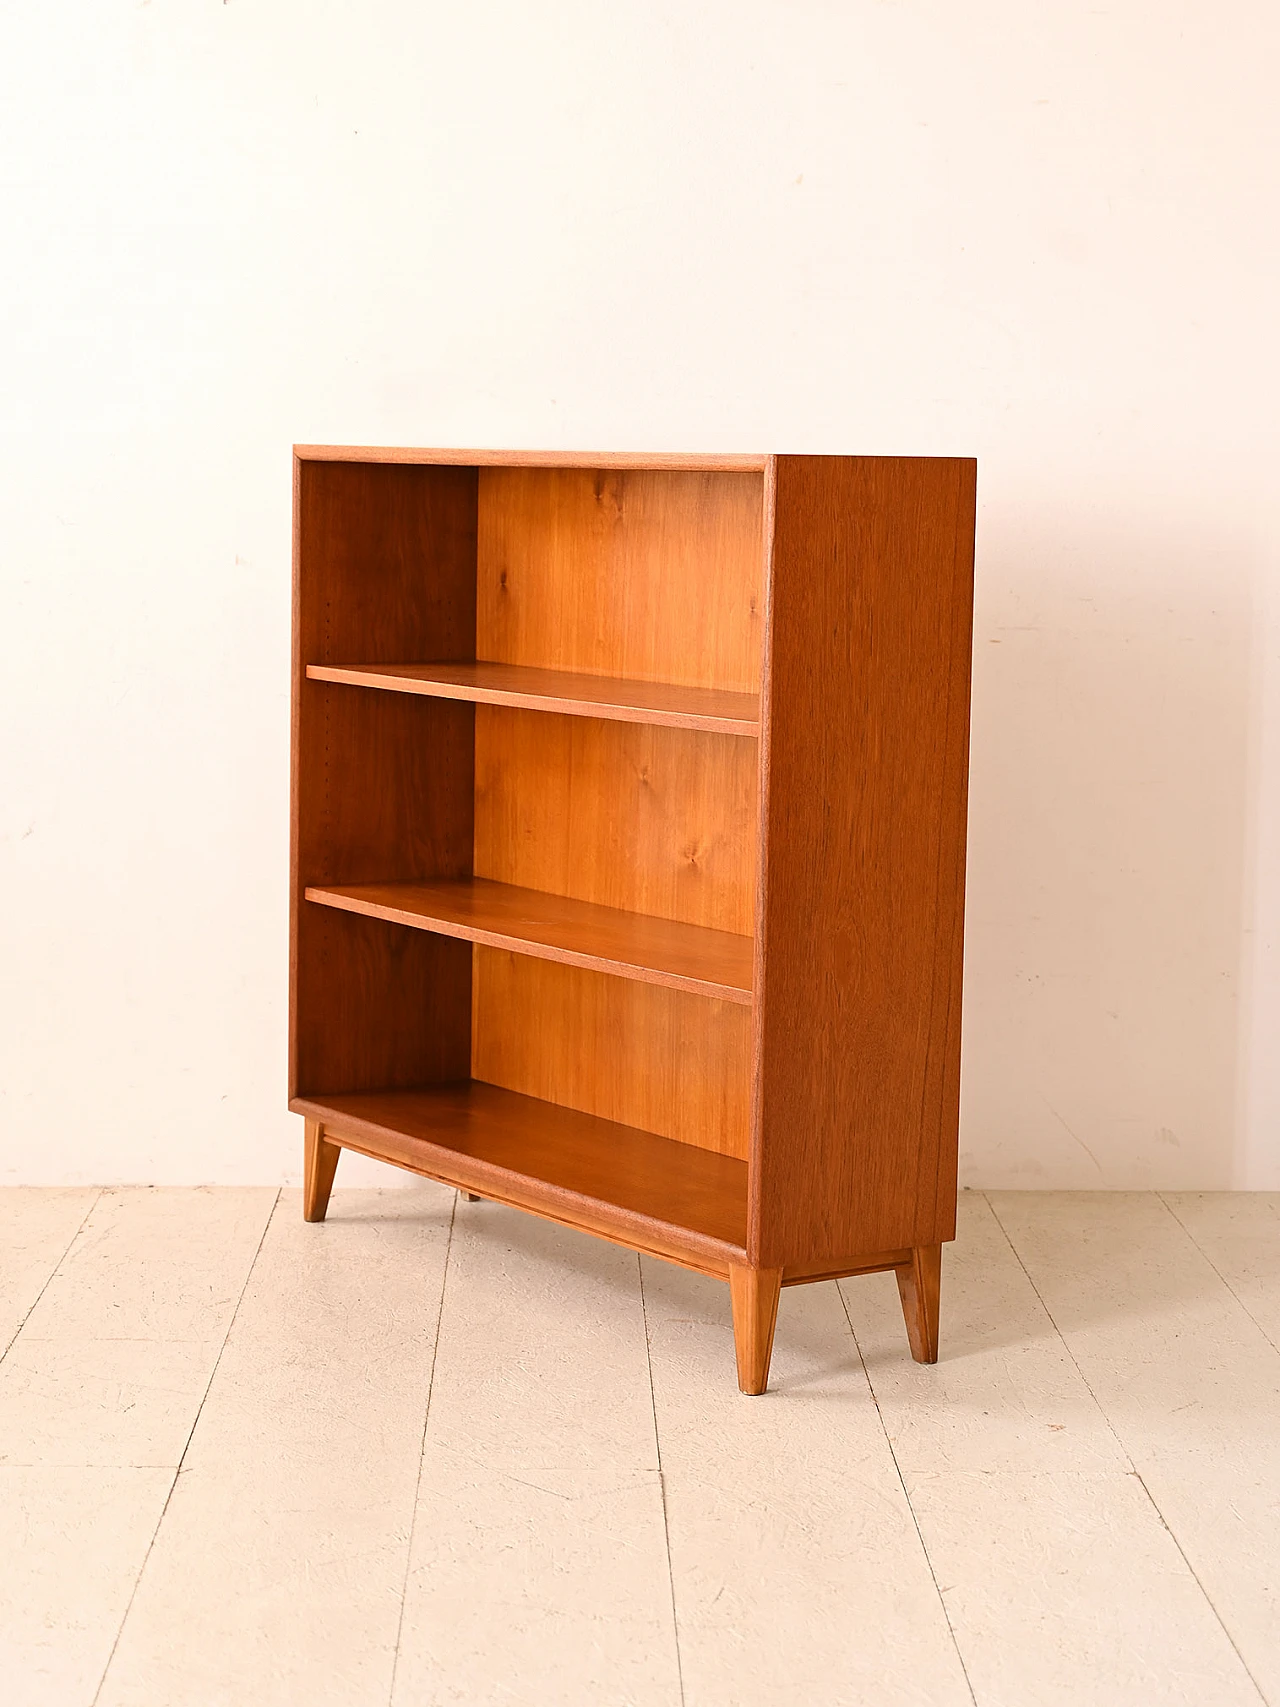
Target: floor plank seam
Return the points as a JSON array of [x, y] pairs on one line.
[[1222, 1277], [26, 1317], [186, 1447], [1128, 1457], [662, 1481], [1195, 1576], [422, 1450], [906, 1494], [1062, 1339]]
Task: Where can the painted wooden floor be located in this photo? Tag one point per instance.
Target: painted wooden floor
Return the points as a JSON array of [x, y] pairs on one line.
[[439, 1452]]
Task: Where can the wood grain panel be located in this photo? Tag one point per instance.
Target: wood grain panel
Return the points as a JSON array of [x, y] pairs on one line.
[[559, 690], [864, 763], [388, 557], [628, 1185], [651, 820], [578, 933], [671, 1063], [384, 569], [640, 573], [384, 787], [377, 1006]]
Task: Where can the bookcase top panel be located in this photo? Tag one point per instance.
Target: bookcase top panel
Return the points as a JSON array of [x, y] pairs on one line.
[[534, 458]]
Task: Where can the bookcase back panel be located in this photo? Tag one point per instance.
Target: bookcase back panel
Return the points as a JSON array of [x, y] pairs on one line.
[[653, 820], [668, 1062], [622, 572]]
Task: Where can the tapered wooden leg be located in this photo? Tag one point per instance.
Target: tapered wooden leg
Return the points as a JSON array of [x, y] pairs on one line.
[[753, 1293], [919, 1283], [469, 1196], [319, 1166]]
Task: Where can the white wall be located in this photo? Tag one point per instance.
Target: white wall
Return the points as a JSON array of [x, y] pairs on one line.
[[1044, 234]]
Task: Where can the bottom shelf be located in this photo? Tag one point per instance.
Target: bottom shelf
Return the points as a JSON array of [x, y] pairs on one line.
[[647, 1192]]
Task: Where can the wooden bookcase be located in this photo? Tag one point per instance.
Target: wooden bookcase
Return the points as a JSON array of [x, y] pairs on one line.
[[628, 848]]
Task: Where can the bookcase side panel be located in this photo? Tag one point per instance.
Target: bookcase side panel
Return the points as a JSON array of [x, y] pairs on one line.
[[377, 1007], [382, 783], [386, 563], [865, 765]]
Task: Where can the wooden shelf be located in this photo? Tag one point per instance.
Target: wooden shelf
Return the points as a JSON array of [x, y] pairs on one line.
[[554, 927], [564, 691], [644, 1191]]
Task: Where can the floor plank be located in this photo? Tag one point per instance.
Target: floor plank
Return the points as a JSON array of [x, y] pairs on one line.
[[282, 1555], [73, 1542], [1092, 1465], [112, 1364], [37, 1224], [1187, 1379], [1239, 1232], [797, 1569], [539, 1569], [1061, 1581]]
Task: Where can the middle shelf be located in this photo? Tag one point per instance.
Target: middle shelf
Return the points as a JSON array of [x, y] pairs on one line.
[[613, 698], [556, 927]]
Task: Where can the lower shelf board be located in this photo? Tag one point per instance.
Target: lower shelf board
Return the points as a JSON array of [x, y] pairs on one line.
[[647, 1192]]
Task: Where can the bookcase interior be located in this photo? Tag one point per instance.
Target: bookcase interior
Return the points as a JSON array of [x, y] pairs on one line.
[[611, 973]]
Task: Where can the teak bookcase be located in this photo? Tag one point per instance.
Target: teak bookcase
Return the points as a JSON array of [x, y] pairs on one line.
[[628, 848]]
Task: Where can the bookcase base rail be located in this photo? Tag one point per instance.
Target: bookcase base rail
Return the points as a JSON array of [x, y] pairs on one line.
[[754, 1291]]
